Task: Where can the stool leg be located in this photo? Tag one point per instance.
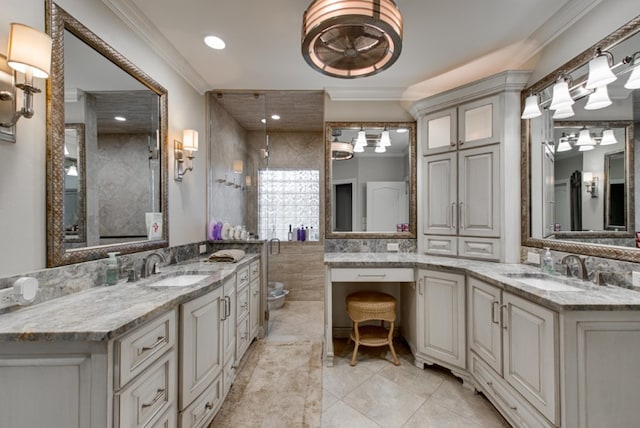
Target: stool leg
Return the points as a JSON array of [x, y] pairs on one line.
[[393, 351], [356, 342]]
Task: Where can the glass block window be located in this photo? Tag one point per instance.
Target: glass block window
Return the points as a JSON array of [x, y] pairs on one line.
[[287, 197]]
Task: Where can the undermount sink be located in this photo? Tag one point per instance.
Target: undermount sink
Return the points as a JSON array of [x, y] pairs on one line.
[[178, 281], [542, 281]]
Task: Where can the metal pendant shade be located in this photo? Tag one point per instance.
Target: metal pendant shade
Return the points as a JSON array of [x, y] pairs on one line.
[[351, 38]]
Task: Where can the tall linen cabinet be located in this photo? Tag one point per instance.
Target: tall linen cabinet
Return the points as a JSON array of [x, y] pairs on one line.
[[469, 169]]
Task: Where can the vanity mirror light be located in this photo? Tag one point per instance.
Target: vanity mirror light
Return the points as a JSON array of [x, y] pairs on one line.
[[580, 164], [106, 122], [370, 180]]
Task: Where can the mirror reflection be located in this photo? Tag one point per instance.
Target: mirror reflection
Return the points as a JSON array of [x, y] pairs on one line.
[[581, 156], [107, 169], [372, 180]]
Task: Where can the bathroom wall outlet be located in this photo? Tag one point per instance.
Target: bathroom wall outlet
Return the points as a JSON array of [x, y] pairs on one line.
[[533, 257], [202, 248], [635, 279], [6, 298], [393, 247]]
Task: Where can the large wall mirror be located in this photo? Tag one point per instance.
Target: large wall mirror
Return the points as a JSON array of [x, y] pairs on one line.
[[370, 180], [581, 165], [106, 156]]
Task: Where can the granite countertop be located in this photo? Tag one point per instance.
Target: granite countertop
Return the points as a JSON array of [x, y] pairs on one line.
[[588, 296], [103, 313]]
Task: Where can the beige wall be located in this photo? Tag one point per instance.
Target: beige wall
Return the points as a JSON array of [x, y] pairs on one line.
[[22, 165]]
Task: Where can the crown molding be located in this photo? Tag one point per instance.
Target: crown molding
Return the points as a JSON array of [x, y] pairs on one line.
[[138, 22]]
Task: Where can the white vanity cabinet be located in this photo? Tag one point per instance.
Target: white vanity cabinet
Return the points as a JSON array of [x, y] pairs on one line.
[[514, 354], [254, 298], [228, 325], [440, 319], [201, 358], [468, 125]]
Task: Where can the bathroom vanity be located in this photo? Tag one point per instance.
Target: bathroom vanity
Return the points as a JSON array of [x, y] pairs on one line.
[[134, 354], [547, 351]]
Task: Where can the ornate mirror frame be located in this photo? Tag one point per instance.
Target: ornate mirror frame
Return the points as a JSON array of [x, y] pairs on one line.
[[591, 249], [412, 232], [57, 21]]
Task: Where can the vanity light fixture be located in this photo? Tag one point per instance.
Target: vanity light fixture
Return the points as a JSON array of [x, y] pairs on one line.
[[584, 138], [563, 113], [385, 140], [608, 137], [634, 79], [238, 166], [341, 150], [561, 97], [29, 53], [531, 107], [351, 38], [72, 171], [598, 99], [380, 149], [591, 182], [182, 149], [600, 73], [564, 145]]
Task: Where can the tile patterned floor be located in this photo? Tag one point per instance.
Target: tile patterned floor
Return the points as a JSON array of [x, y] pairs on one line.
[[375, 393]]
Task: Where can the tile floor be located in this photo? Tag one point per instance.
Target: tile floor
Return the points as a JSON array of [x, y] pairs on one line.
[[375, 393]]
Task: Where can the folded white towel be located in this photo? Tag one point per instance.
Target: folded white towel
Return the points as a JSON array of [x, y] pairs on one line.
[[229, 255]]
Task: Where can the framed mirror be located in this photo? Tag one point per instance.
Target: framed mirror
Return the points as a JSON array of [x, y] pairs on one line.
[[115, 116], [579, 169], [370, 180]]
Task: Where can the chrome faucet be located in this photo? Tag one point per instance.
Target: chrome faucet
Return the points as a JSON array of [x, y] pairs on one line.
[[582, 267], [149, 268]]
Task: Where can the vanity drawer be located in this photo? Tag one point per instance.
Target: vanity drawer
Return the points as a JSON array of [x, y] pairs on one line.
[[372, 275], [514, 407], [203, 409], [148, 396], [242, 301], [479, 248], [254, 270], [440, 245], [139, 349], [242, 278]]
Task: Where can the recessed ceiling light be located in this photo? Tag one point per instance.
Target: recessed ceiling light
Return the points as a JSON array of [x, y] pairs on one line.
[[401, 130], [214, 42], [275, 117], [120, 118], [263, 120]]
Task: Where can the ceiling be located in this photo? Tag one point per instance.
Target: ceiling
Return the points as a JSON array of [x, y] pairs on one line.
[[445, 45]]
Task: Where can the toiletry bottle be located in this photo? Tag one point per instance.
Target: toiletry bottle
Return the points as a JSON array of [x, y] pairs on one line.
[[547, 261], [290, 234], [112, 269]]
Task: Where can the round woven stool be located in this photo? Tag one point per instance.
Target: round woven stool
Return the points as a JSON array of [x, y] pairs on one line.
[[372, 305]]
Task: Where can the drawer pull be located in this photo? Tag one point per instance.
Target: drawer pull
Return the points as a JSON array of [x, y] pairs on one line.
[[209, 405], [244, 305], [493, 312], [158, 396], [160, 341], [503, 317], [511, 406], [362, 275]]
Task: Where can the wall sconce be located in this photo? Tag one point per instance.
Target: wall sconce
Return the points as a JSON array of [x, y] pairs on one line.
[[184, 149], [237, 166], [591, 182], [29, 53]]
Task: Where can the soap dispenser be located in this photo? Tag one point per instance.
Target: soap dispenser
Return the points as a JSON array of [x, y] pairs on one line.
[[112, 269]]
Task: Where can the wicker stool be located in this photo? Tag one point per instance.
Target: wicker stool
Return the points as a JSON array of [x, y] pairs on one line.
[[371, 305]]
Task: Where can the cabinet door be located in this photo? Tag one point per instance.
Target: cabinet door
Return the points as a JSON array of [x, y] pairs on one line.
[[479, 191], [439, 197], [229, 321], [254, 310], [441, 314], [438, 132], [201, 344], [530, 359], [485, 338], [478, 122]]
